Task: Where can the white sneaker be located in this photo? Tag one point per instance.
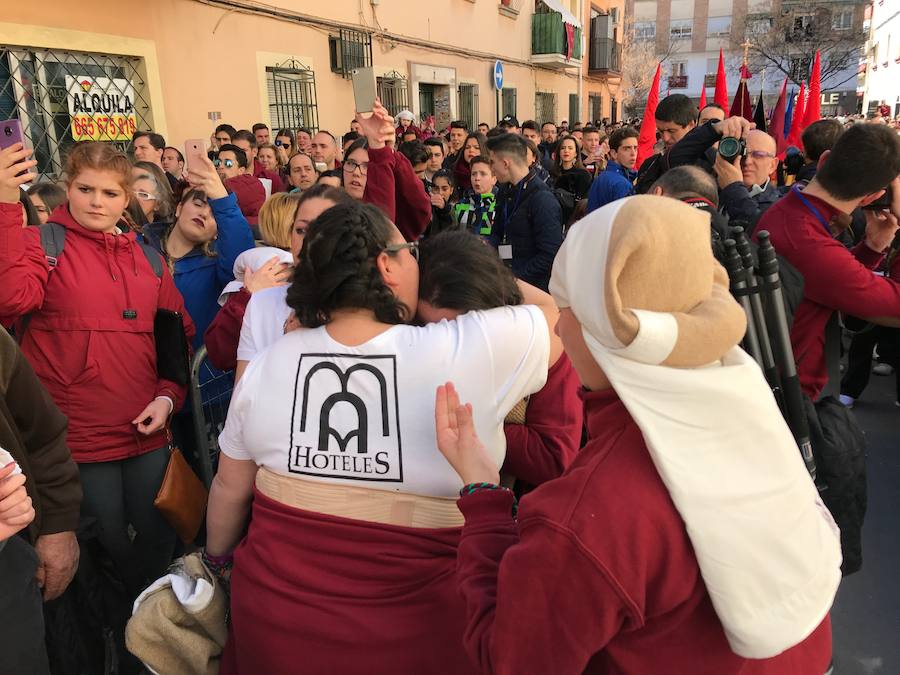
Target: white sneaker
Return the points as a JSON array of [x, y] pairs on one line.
[[883, 369], [846, 401]]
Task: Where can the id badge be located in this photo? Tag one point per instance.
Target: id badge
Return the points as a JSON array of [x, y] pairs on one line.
[[505, 251]]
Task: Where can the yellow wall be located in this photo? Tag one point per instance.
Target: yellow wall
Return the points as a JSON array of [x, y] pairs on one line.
[[201, 58]]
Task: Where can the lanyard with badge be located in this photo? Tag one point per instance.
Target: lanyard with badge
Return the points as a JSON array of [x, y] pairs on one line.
[[506, 250]]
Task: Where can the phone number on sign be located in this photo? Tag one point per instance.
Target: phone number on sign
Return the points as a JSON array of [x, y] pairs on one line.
[[103, 127]]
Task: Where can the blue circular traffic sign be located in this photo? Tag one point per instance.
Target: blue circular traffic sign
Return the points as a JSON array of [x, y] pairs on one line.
[[498, 74]]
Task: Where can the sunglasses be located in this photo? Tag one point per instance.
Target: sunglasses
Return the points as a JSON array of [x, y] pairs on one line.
[[146, 196], [227, 163], [412, 246]]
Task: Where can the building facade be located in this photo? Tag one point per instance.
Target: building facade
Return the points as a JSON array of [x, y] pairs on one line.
[[97, 70], [688, 34], [880, 71]]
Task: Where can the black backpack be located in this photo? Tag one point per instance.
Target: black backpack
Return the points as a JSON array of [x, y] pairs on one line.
[[53, 241]]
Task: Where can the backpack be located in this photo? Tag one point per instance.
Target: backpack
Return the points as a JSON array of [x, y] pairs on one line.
[[53, 241]]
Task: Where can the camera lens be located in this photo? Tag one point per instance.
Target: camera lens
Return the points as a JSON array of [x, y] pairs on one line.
[[729, 147], [7, 131]]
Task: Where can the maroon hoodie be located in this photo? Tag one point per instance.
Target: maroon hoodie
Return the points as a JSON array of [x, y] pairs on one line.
[[250, 195], [259, 171], [393, 186], [90, 336]]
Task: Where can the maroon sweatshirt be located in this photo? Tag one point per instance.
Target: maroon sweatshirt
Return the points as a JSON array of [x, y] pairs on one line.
[[393, 186], [833, 279], [259, 171], [542, 448], [224, 333], [599, 576]]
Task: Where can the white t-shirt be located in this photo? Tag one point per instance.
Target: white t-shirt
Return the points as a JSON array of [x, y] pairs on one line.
[[264, 320], [312, 407]]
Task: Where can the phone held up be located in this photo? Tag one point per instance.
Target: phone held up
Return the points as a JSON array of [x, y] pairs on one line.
[[11, 133], [194, 152], [364, 88]]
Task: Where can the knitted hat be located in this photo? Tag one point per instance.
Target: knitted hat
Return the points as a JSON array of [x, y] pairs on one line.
[[406, 115], [655, 312]]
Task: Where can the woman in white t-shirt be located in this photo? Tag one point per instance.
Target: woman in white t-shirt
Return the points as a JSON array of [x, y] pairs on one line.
[[349, 558]]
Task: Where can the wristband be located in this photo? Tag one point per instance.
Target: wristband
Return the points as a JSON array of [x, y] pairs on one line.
[[475, 487], [218, 564]]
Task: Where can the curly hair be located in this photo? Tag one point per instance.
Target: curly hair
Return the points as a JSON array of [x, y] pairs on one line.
[[337, 267], [458, 271]]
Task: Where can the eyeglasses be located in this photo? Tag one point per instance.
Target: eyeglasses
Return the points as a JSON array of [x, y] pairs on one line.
[[146, 196], [413, 247], [759, 154], [228, 163], [352, 165]]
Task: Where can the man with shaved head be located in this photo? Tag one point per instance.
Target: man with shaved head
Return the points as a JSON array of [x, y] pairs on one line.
[[745, 186]]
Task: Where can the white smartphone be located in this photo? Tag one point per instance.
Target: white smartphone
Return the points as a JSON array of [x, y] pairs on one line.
[[364, 89], [195, 151]]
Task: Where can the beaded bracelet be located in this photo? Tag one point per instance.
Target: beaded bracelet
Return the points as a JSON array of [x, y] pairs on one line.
[[218, 564], [475, 487]]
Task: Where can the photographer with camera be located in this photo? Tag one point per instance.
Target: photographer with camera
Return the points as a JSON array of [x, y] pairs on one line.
[[864, 161], [743, 169]]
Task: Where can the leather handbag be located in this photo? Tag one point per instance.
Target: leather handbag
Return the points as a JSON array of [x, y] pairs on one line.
[[182, 497]]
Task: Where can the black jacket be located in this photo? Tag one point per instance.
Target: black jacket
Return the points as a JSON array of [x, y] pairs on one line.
[[529, 218], [574, 180], [735, 200]]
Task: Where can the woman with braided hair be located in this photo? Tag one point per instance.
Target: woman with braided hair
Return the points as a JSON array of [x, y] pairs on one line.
[[351, 548]]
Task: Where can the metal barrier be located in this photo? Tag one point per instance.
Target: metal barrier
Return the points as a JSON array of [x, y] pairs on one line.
[[210, 395]]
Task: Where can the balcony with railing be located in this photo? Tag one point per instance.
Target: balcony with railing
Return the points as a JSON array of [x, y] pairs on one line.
[[550, 41], [678, 81], [605, 56]]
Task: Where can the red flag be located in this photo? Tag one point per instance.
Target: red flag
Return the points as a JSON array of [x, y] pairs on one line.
[[721, 95], [745, 72], [647, 139], [796, 129], [811, 112], [741, 105], [703, 98], [776, 125]]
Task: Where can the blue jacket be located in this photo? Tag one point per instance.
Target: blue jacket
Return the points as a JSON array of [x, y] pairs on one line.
[[614, 183], [735, 201], [528, 217], [201, 278]]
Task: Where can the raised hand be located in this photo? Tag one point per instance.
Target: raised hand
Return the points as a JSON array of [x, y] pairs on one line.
[[204, 177], [458, 441], [14, 160]]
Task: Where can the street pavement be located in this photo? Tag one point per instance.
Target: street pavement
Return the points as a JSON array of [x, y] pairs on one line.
[[866, 614]]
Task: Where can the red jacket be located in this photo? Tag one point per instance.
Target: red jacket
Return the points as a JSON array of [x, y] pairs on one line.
[[393, 186], [599, 576], [542, 448], [259, 171], [833, 279], [250, 195], [98, 365]]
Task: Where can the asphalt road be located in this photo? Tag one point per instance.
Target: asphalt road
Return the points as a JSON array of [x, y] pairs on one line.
[[866, 614]]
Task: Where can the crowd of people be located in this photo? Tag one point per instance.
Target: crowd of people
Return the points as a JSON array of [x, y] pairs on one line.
[[485, 382]]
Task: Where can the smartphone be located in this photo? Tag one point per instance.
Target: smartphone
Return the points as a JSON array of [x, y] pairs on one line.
[[194, 152], [278, 143], [364, 90], [11, 133]]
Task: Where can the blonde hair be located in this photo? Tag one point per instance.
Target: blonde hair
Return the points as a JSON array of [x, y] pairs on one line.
[[276, 218]]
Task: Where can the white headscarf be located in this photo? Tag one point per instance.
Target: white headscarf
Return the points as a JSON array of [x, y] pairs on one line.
[[252, 259], [640, 277]]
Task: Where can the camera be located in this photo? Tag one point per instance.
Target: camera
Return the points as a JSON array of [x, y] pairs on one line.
[[883, 202], [731, 148], [8, 131]]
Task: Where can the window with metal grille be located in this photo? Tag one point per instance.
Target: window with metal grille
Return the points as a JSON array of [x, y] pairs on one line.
[[595, 105], [393, 90], [468, 105], [544, 107], [574, 109], [291, 88], [613, 110], [348, 50], [508, 102], [66, 96]]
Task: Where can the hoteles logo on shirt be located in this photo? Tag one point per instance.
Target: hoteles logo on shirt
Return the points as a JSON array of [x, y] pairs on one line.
[[345, 421]]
